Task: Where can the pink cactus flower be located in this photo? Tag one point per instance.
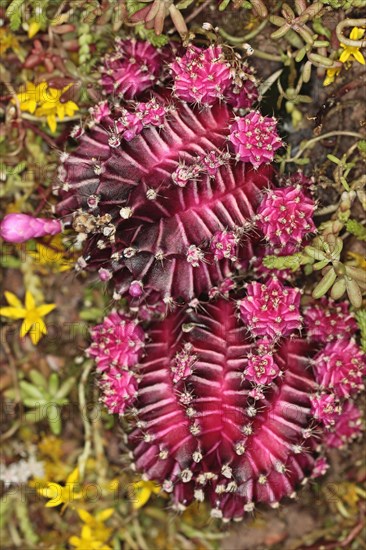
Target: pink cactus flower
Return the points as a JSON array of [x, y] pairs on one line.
[[100, 111], [327, 320], [341, 366], [19, 228], [118, 388], [117, 342], [348, 426], [271, 309], [321, 467], [285, 218], [261, 368], [255, 138], [133, 68], [201, 76], [244, 96], [224, 245], [326, 408]]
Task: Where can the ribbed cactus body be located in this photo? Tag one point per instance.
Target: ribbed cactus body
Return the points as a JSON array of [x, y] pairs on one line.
[[204, 431], [148, 209]]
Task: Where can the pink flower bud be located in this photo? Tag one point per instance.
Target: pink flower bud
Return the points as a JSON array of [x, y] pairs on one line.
[[18, 228]]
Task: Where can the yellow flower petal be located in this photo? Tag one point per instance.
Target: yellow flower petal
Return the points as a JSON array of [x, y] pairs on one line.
[[33, 29], [53, 490], [105, 514], [35, 333], [29, 301], [345, 55], [12, 299], [70, 108], [60, 109], [141, 497], [74, 476], [51, 120], [26, 326], [85, 516], [356, 33], [45, 309], [12, 312], [359, 57]]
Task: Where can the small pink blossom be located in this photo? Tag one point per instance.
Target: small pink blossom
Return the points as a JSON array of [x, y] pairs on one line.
[[183, 363], [201, 76], [327, 320], [285, 218], [224, 245], [119, 389], [100, 111], [255, 138], [325, 408], [271, 309], [261, 368], [321, 466], [133, 68], [347, 426], [340, 366], [19, 228], [117, 342]]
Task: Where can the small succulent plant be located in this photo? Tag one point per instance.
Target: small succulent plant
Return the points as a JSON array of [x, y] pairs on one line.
[[44, 397]]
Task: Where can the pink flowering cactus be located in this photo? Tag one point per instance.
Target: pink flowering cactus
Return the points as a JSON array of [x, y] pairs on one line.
[[18, 228], [230, 398]]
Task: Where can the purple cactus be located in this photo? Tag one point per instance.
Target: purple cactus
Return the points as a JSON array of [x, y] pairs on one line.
[[156, 194]]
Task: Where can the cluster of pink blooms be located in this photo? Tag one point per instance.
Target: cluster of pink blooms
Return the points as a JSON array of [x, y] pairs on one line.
[[339, 369], [128, 124], [117, 346], [132, 69], [201, 76], [328, 320], [224, 245], [271, 309], [285, 218], [255, 138]]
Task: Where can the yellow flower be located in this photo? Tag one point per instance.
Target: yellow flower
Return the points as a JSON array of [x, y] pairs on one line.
[[96, 524], [8, 41], [331, 75], [359, 260], [141, 492], [87, 541], [59, 494], [52, 255], [350, 52], [31, 314], [43, 101], [51, 107]]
